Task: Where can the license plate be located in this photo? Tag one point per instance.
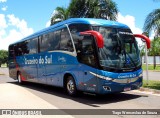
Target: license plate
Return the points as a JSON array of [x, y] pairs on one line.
[[127, 89]]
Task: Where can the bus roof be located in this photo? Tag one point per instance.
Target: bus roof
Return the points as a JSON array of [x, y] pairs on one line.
[[91, 21]]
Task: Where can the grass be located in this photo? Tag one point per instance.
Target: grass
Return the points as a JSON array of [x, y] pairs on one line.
[[150, 67], [152, 84], [4, 65]]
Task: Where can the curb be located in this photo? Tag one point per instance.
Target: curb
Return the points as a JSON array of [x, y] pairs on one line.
[[150, 90]]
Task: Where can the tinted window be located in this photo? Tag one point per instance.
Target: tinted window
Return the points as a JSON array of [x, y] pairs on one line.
[[24, 47], [18, 49], [32, 46], [53, 40], [66, 43], [11, 51], [76, 28], [50, 41], [43, 42], [57, 37], [87, 54]]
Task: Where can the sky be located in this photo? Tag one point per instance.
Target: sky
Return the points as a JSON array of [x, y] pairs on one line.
[[20, 18]]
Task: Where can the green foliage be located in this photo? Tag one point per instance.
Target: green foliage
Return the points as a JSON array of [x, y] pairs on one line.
[[83, 8], [152, 22], [86, 9], [3, 57], [151, 84], [146, 34], [155, 47], [92, 9], [153, 51], [151, 67], [110, 12], [142, 50], [75, 8], [61, 14]]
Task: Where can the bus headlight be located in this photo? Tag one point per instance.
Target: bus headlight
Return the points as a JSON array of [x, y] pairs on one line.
[[102, 77], [141, 75]]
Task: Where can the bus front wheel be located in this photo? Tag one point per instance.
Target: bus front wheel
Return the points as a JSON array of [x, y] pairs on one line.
[[71, 86]]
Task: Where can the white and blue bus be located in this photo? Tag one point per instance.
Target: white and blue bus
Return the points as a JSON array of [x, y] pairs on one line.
[[79, 54]]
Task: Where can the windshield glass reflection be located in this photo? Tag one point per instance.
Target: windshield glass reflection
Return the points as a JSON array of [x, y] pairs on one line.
[[120, 49]]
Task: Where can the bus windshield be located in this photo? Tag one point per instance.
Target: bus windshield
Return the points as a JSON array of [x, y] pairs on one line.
[[120, 51]]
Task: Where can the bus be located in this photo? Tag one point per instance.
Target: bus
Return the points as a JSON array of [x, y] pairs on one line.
[[80, 54]]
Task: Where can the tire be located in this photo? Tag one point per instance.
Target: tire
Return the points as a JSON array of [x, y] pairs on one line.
[[71, 86], [19, 78]]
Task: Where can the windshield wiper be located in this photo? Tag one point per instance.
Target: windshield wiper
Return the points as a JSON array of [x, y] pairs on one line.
[[129, 58]]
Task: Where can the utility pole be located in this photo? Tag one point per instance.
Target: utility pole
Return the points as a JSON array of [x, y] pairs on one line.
[[146, 56]]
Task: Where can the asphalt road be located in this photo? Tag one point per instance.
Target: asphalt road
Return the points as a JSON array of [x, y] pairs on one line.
[[57, 97]]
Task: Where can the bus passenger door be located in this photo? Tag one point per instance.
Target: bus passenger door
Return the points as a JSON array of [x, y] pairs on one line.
[[87, 57]]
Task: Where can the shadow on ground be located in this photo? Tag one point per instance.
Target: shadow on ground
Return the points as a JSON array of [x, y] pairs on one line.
[[83, 98]]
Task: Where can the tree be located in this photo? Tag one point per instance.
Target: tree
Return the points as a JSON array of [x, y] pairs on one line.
[[60, 14], [155, 50], [3, 57], [77, 8], [152, 22], [106, 9]]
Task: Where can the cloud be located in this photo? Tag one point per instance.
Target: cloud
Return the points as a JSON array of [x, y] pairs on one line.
[[12, 36], [2, 21], [130, 21], [4, 8], [12, 29], [2, 32], [20, 24], [3, 25], [3, 1], [48, 23]]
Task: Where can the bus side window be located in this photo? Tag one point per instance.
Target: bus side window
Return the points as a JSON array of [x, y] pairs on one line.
[[76, 28], [66, 43], [24, 47], [87, 54], [11, 52], [18, 50], [57, 37], [54, 39], [33, 46], [43, 40], [43, 43], [30, 46]]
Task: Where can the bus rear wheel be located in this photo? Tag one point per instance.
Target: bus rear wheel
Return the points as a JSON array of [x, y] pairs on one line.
[[71, 86]]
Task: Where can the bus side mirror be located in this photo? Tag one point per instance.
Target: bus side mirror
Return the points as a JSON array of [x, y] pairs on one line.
[[96, 35], [144, 38]]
